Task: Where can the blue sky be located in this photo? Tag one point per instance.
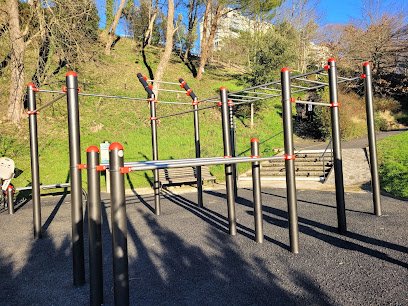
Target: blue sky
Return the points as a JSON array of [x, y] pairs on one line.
[[328, 11]]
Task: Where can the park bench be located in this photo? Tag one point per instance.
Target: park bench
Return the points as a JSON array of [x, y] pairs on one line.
[[186, 175]]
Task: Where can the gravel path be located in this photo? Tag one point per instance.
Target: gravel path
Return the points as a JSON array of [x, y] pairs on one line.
[[186, 256]]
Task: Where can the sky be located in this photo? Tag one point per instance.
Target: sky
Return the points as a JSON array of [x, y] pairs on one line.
[[328, 11]]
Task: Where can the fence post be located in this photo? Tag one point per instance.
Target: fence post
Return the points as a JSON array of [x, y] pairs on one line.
[[256, 190], [94, 226], [226, 133], [119, 226], [289, 161], [337, 157], [35, 171], [372, 146], [76, 179], [193, 96]]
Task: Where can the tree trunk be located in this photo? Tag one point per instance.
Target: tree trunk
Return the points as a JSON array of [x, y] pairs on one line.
[[207, 44], [111, 35], [147, 39], [15, 105], [165, 58]]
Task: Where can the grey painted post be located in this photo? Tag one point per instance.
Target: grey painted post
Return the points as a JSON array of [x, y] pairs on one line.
[[10, 199], [289, 161], [94, 226], [76, 179], [372, 146], [228, 167], [337, 157], [119, 226], [256, 190], [193, 96], [35, 171]]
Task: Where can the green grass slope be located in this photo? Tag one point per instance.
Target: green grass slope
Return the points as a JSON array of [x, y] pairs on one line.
[[128, 121], [393, 160]]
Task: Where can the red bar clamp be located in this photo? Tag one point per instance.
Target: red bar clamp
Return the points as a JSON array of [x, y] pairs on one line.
[[81, 166], [125, 170], [289, 157]]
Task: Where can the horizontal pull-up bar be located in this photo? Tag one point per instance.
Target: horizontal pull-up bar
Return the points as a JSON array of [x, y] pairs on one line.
[[162, 82], [187, 111], [199, 162], [313, 103]]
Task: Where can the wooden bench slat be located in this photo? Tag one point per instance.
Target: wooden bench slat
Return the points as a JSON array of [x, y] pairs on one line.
[[184, 175]]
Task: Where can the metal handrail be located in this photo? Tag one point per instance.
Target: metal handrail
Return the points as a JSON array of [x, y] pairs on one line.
[[324, 155]]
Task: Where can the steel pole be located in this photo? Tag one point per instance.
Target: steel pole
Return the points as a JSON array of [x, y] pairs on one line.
[[226, 133], [337, 158], [35, 171], [94, 226], [233, 146], [198, 154], [155, 153], [10, 199], [372, 145], [289, 161], [76, 179], [119, 226], [256, 191]]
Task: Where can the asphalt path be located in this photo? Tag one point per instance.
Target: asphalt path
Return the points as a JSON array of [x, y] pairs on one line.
[[186, 256]]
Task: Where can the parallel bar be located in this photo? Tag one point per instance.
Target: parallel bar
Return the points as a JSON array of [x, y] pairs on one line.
[[226, 133], [35, 172], [119, 226], [94, 227], [50, 91], [289, 162], [375, 181], [172, 90], [256, 191], [76, 179], [337, 162]]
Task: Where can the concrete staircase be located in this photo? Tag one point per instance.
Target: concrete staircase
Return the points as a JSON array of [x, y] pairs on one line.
[[311, 165]]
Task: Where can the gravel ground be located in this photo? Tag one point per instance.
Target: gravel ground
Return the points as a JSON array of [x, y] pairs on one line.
[[185, 256]]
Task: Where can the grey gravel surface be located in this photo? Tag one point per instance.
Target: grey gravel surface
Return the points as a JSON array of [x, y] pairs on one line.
[[186, 257]]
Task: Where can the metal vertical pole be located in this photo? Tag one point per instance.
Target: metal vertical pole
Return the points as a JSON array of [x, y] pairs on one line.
[[256, 190], [233, 146], [155, 153], [372, 146], [35, 171], [94, 226], [76, 179], [119, 226], [10, 199], [337, 158], [289, 161], [193, 96], [228, 167], [198, 154]]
